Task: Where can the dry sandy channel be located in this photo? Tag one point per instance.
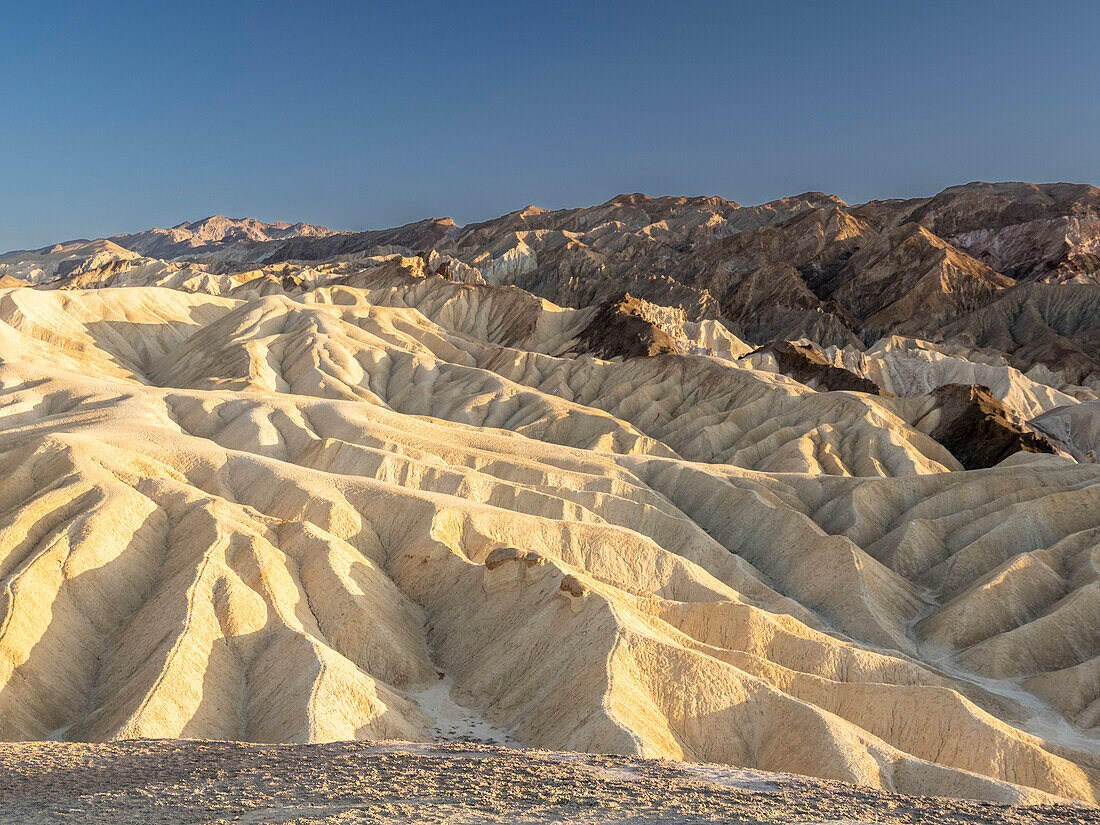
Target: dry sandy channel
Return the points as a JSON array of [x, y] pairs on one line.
[[190, 781]]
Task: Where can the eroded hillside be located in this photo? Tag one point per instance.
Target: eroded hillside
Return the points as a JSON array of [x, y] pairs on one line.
[[390, 494]]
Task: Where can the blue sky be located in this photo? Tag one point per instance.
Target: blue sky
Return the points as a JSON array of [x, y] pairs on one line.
[[121, 116]]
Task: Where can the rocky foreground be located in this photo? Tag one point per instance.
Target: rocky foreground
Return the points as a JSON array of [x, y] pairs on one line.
[[182, 782]]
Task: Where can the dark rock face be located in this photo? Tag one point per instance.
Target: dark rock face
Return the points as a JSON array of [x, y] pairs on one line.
[[618, 330], [980, 205], [826, 263], [1056, 325], [810, 366], [978, 429], [1032, 232]]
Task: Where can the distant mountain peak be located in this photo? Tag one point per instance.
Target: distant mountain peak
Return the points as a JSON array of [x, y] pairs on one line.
[[202, 236]]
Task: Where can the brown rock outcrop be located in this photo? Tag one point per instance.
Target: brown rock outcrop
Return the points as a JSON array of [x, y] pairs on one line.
[[978, 429], [618, 330], [808, 364]]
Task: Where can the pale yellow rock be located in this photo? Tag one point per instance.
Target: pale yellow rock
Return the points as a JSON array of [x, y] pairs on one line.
[[281, 516]]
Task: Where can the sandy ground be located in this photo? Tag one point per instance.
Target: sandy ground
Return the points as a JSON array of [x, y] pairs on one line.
[[170, 781]]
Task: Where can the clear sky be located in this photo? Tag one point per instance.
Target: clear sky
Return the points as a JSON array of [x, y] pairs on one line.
[[120, 116]]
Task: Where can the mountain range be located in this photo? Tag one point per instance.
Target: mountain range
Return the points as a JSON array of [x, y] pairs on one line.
[[802, 487]]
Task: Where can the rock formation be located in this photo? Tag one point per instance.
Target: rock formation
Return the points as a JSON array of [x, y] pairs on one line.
[[210, 235], [619, 329], [346, 486], [978, 429], [808, 363]]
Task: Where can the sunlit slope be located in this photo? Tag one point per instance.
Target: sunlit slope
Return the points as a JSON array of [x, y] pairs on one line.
[[281, 519]]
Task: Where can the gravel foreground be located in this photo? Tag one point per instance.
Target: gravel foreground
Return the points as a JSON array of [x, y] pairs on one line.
[[173, 781]]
